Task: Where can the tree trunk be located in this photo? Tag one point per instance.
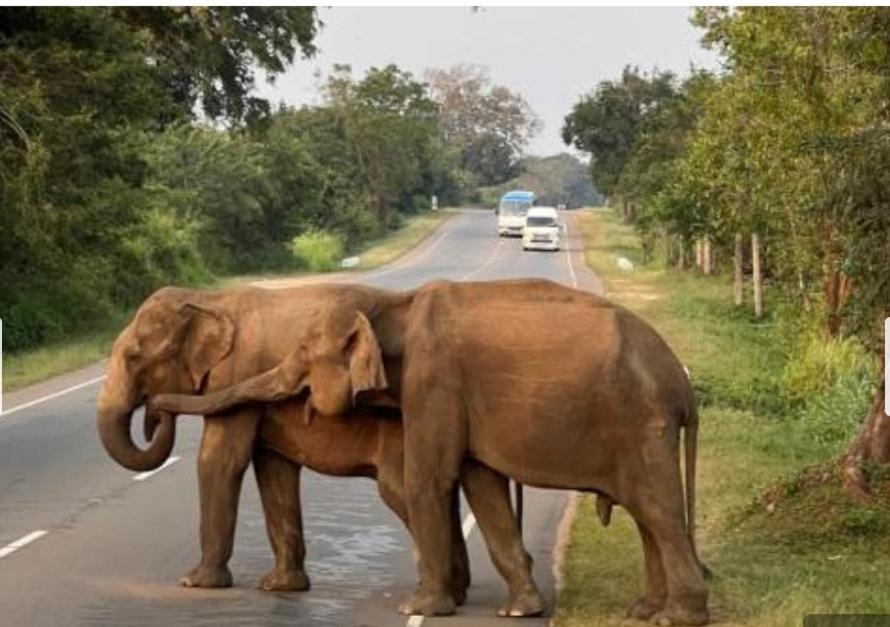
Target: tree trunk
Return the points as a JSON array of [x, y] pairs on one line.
[[837, 292], [871, 446], [625, 210], [681, 254], [757, 278], [738, 274], [706, 255], [699, 249]]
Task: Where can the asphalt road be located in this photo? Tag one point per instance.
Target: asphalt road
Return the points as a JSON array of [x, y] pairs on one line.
[[85, 542]]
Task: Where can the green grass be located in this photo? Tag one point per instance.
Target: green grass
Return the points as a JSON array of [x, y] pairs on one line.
[[774, 525], [389, 248], [28, 367], [373, 254]]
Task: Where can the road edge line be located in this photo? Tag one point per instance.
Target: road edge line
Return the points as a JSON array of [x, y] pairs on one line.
[[22, 542], [54, 395]]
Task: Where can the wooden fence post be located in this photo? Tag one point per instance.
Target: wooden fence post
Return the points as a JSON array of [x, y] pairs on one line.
[[757, 278], [738, 279]]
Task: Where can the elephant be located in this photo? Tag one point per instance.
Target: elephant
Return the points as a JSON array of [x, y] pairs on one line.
[[545, 384], [187, 341]]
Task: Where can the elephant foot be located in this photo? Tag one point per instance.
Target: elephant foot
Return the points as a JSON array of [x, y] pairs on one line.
[[208, 577], [429, 604], [459, 594], [644, 608], [285, 581], [676, 615], [526, 603]]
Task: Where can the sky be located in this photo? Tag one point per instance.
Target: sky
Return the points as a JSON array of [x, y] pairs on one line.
[[551, 56]]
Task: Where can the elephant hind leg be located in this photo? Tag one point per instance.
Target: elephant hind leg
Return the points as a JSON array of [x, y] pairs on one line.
[[655, 594], [661, 512], [278, 480]]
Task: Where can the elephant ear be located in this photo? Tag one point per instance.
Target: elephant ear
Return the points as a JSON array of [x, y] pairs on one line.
[[208, 339], [365, 357]]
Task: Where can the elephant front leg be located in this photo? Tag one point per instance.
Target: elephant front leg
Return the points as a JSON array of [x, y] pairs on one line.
[[434, 449], [278, 480], [488, 493], [226, 447]]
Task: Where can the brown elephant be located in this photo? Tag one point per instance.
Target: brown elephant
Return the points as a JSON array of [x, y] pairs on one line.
[[551, 386], [184, 341]]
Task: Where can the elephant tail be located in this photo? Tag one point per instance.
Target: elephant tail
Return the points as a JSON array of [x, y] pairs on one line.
[[690, 443]]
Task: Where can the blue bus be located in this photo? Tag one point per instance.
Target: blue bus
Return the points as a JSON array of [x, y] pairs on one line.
[[511, 211]]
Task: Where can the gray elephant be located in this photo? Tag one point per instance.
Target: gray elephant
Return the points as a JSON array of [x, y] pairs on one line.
[[551, 386], [185, 341]]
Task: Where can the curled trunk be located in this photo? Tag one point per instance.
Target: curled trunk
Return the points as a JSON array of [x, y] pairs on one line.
[[114, 432]]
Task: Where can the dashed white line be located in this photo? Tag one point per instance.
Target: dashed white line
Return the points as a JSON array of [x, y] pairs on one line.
[[50, 397], [491, 257], [12, 547], [469, 523], [142, 476]]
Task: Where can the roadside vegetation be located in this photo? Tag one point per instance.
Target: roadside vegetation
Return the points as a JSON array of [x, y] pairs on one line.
[[155, 163], [772, 175], [775, 525], [29, 366]]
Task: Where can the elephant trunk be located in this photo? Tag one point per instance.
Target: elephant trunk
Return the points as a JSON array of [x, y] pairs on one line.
[[114, 431]]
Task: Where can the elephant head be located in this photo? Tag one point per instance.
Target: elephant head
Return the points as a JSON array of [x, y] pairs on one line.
[[171, 345], [339, 359]]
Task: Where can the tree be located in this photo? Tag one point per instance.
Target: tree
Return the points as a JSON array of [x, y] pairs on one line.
[[556, 179], [390, 127], [489, 124], [82, 90], [607, 122]]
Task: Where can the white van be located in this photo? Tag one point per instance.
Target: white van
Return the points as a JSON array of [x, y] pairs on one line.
[[541, 230]]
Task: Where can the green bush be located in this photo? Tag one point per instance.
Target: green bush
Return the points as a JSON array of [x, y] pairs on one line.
[[829, 382], [817, 364], [317, 250]]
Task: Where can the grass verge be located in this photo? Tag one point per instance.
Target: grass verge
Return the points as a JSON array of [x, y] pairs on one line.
[[28, 367], [774, 526]]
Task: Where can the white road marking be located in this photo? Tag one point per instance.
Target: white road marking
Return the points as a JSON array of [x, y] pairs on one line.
[[469, 523], [142, 476], [491, 257], [565, 226], [12, 547], [395, 267], [50, 397], [467, 528]]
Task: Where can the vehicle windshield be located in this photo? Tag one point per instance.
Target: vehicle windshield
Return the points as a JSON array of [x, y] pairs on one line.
[[515, 207], [540, 221]]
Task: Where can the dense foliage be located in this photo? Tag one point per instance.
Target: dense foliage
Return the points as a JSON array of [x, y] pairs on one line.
[[134, 153], [787, 146], [790, 141]]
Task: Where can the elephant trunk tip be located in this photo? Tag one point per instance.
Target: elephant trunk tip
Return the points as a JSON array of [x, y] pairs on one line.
[[114, 433]]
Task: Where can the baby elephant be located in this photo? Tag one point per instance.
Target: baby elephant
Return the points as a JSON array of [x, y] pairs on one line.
[[369, 443]]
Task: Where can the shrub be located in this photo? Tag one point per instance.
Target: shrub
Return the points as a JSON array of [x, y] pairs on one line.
[[317, 250], [817, 364]]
